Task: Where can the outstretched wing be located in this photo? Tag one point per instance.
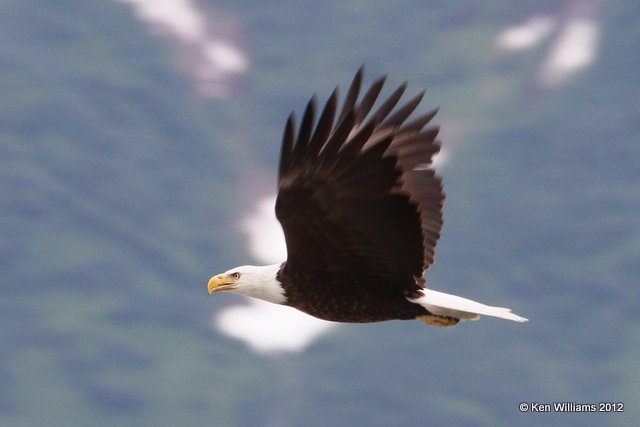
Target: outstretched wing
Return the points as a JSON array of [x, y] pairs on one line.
[[356, 193]]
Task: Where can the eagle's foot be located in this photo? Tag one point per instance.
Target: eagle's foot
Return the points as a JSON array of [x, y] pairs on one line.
[[434, 320]]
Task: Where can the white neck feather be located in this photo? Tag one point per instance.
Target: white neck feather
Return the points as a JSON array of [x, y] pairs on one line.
[[259, 282]]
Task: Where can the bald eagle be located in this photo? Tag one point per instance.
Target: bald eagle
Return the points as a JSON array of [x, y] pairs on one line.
[[361, 210]]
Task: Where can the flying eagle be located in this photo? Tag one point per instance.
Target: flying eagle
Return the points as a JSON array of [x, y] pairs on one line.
[[361, 209]]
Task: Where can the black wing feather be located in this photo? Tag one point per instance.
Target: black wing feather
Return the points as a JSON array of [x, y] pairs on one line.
[[324, 126], [352, 95], [369, 98]]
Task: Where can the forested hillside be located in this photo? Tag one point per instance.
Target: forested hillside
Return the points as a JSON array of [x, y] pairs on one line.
[[121, 186]]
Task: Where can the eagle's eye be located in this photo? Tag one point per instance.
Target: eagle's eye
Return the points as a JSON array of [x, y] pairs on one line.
[[235, 276]]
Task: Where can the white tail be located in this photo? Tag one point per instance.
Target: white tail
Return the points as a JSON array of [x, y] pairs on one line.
[[442, 304]]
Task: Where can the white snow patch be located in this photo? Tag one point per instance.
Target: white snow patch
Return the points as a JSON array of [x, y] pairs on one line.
[[575, 48], [527, 35], [266, 239], [177, 16], [207, 51], [440, 159], [226, 56], [270, 328]]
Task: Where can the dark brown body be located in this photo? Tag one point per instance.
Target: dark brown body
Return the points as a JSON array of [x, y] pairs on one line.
[[341, 299]]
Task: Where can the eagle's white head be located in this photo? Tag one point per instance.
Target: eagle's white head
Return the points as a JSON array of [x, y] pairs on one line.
[[252, 281]]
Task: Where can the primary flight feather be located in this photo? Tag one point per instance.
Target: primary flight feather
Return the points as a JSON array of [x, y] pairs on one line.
[[361, 210]]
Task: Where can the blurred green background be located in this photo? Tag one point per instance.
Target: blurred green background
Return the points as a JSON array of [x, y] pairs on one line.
[[121, 184]]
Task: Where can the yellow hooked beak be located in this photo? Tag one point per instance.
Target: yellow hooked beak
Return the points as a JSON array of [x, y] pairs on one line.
[[219, 282]]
